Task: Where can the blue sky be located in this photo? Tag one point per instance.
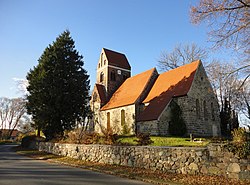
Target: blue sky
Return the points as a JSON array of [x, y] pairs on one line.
[[141, 29]]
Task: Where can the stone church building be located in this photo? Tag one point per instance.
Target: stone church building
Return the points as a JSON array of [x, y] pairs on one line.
[[141, 103]]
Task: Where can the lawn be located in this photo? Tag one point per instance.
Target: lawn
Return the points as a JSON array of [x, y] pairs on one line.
[[167, 141]]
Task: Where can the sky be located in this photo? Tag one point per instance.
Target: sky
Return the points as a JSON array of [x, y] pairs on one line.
[[141, 29]]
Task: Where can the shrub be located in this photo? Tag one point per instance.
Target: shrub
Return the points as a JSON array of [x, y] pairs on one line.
[[26, 140], [111, 139], [239, 136], [177, 126], [243, 151], [80, 136], [240, 144], [90, 138], [143, 139], [125, 129]]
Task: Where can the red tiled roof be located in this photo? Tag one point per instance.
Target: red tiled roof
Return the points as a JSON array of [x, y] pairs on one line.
[[129, 92], [7, 131], [117, 59], [101, 91], [173, 83]]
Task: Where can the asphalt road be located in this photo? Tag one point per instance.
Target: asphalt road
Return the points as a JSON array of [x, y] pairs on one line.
[[21, 170]]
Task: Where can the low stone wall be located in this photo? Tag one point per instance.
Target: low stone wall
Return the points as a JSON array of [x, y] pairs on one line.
[[212, 160]]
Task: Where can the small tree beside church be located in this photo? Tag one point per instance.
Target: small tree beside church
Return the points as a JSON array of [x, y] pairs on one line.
[[58, 88], [177, 126]]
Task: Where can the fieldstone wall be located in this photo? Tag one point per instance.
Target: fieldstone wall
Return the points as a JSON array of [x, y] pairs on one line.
[[115, 119], [200, 107], [212, 160]]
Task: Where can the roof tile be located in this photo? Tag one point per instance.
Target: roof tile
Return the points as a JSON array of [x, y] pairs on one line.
[[130, 91], [117, 59], [101, 91], [173, 83]]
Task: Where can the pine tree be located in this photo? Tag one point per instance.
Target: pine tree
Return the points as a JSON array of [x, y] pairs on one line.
[[58, 88], [229, 118]]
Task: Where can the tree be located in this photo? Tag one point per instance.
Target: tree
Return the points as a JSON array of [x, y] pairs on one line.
[[243, 97], [224, 86], [229, 118], [58, 88], [181, 54], [177, 125], [233, 98], [229, 23], [12, 114], [26, 128]]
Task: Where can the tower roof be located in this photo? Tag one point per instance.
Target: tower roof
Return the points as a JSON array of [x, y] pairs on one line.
[[117, 59]]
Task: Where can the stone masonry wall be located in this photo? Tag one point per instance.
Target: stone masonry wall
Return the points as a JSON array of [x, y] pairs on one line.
[[115, 119], [202, 120], [212, 160]]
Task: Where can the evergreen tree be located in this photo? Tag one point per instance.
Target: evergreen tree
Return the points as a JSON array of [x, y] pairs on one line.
[[229, 119], [177, 125], [58, 88]]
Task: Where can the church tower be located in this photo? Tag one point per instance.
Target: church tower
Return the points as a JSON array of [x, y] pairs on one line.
[[112, 70]]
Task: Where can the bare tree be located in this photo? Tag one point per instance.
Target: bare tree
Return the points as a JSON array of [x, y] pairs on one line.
[[181, 54], [27, 127], [229, 26], [4, 111], [224, 86], [228, 21], [229, 89], [22, 85], [243, 95], [12, 112]]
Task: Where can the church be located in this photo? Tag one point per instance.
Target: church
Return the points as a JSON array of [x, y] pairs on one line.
[[126, 104]]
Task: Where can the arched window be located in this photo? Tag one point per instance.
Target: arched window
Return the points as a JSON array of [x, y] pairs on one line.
[[101, 58], [94, 97], [197, 108], [212, 111], [112, 76], [125, 77], [122, 117], [101, 77], [205, 109], [108, 121]]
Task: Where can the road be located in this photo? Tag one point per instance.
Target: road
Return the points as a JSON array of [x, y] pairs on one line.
[[21, 170]]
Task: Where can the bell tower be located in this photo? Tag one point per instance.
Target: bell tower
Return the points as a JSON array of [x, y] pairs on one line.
[[112, 70]]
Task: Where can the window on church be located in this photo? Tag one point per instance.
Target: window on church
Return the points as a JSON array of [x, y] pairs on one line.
[[125, 77], [108, 121], [205, 109], [101, 58], [212, 111], [104, 62], [122, 117], [101, 77], [112, 76], [197, 108], [99, 65], [95, 97]]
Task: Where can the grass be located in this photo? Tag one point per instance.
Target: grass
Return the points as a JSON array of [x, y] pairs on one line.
[[147, 175], [168, 141]]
